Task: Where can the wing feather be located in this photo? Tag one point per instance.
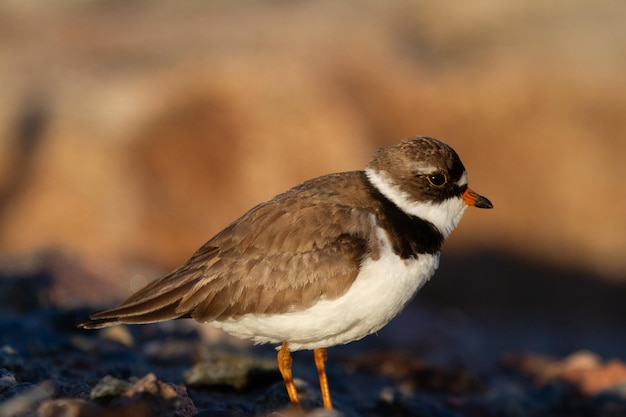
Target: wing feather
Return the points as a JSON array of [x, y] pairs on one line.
[[281, 256]]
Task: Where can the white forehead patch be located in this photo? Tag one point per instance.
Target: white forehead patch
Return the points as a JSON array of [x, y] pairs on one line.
[[426, 169]]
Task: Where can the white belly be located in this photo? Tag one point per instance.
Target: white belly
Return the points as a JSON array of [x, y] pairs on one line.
[[379, 292]]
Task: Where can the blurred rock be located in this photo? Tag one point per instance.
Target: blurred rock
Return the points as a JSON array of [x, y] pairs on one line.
[[119, 334], [155, 398], [10, 359], [541, 367], [68, 407], [593, 380], [229, 370], [24, 397], [581, 361], [583, 370], [109, 387]]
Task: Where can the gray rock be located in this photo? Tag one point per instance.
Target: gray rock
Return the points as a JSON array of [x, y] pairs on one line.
[[109, 387], [232, 370]]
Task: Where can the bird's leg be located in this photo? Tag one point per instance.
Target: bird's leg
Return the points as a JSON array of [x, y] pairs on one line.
[[320, 359], [284, 366]]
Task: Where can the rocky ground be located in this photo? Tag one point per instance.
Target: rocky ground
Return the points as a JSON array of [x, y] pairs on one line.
[[430, 361]]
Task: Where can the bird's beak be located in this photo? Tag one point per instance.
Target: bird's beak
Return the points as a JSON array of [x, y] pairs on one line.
[[472, 198]]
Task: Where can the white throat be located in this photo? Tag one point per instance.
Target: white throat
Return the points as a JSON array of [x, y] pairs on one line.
[[445, 216]]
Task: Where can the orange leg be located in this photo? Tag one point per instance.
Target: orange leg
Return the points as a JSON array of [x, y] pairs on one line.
[[320, 359], [284, 366]]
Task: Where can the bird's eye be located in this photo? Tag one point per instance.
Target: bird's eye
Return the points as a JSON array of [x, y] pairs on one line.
[[437, 180]]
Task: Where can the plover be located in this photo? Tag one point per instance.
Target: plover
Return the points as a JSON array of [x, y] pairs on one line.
[[327, 262]]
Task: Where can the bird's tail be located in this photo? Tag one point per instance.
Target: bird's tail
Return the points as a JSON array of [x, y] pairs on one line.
[[159, 301]]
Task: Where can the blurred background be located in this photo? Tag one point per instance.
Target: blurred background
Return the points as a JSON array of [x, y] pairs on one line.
[[131, 132]]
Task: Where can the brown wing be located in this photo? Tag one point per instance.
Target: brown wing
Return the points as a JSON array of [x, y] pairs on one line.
[[282, 255]]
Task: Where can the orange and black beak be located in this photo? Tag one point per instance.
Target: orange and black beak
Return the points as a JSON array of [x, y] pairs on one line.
[[474, 199]]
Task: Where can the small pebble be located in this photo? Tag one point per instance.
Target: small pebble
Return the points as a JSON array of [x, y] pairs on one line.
[[109, 387], [119, 334], [10, 359]]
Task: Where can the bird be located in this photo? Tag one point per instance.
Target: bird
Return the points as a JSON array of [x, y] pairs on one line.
[[325, 263]]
